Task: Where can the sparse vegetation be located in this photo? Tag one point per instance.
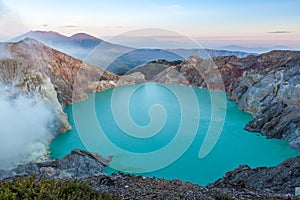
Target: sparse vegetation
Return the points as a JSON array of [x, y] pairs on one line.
[[33, 188], [222, 196]]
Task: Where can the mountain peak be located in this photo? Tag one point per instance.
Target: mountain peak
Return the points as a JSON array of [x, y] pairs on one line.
[[78, 45], [82, 36], [30, 41], [39, 36]]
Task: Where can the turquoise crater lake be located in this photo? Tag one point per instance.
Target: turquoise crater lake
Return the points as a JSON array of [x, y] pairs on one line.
[[234, 147]]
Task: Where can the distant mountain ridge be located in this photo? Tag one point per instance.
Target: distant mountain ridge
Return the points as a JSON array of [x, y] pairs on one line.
[[116, 58], [78, 45], [139, 57], [209, 53], [257, 50]]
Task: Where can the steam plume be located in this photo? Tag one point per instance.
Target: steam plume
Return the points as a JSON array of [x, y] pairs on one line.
[[24, 127]]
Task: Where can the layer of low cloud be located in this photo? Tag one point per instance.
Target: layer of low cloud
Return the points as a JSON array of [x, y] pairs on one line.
[[279, 32], [24, 127], [70, 26]]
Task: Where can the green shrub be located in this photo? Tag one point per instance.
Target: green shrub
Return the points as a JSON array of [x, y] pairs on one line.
[[32, 188]]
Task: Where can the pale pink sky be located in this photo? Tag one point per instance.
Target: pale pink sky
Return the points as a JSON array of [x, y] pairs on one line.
[[210, 22]]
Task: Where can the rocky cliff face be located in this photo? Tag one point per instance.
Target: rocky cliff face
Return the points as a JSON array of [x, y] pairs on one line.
[[267, 86], [72, 78], [269, 89], [28, 79]]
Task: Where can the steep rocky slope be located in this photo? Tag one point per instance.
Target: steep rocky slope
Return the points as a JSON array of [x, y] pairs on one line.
[[28, 79], [72, 78], [270, 91], [267, 86]]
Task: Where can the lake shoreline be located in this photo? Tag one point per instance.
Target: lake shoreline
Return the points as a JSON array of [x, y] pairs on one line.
[[249, 148], [233, 185]]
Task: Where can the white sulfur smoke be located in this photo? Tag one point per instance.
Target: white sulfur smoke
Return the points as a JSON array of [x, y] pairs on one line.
[[4, 51], [24, 127]]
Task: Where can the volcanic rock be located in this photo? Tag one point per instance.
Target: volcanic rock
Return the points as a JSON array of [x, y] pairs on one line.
[[78, 164]]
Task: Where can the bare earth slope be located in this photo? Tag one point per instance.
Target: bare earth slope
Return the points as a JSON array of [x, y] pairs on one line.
[[65, 72]]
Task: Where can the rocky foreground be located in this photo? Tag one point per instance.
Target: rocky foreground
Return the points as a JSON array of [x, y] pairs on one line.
[[242, 183]]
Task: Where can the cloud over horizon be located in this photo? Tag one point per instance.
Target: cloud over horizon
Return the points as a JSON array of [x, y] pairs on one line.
[[279, 32], [70, 26]]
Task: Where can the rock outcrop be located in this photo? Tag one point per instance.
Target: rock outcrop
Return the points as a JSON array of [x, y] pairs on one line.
[[267, 86], [269, 89], [134, 78], [283, 178], [78, 164]]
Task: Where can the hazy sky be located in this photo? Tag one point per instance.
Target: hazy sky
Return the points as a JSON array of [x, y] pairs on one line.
[[216, 22]]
